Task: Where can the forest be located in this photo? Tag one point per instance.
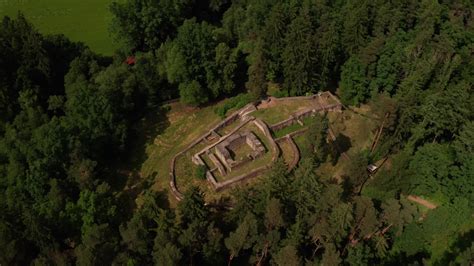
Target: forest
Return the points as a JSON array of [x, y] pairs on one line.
[[67, 117]]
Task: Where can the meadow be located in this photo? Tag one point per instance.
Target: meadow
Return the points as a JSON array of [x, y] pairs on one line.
[[81, 20]]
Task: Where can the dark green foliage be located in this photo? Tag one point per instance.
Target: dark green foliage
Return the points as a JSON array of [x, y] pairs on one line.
[[203, 67], [257, 84], [201, 172], [66, 116], [354, 84], [298, 56], [144, 25], [192, 93], [356, 171], [236, 102], [316, 139], [97, 247]]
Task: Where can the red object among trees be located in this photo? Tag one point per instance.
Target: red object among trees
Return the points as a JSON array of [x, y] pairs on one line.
[[130, 60]]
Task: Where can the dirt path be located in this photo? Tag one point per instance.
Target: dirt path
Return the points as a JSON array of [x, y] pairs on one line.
[[421, 201]]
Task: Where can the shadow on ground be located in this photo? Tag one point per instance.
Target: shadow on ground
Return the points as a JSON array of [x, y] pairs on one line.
[[127, 179], [341, 144]]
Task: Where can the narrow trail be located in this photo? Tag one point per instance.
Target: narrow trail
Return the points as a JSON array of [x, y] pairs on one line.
[[423, 202]]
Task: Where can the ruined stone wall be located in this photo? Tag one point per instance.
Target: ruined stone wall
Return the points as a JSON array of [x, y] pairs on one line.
[[303, 114], [273, 146], [223, 154], [178, 195], [285, 123], [210, 177], [236, 142], [229, 120], [324, 94], [217, 163], [222, 185], [240, 163], [243, 114], [296, 153], [233, 117], [254, 143]]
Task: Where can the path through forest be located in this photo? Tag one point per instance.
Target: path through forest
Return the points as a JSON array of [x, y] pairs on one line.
[[423, 202]]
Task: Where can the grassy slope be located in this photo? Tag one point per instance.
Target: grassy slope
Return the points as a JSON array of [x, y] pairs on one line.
[[353, 124], [286, 151], [80, 20], [185, 124]]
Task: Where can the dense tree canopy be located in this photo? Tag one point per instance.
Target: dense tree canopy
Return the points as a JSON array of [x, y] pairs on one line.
[[67, 116]]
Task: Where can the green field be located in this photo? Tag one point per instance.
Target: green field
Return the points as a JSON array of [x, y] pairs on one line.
[[80, 20]]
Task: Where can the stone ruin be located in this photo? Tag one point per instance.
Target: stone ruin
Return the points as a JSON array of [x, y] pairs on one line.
[[221, 153], [223, 150]]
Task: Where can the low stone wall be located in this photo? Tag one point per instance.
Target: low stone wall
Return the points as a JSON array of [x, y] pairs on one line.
[[264, 128], [285, 123], [197, 160], [326, 94], [222, 185], [276, 153], [243, 114], [178, 195], [296, 153], [303, 114], [210, 177], [249, 108], [217, 163], [229, 120], [293, 134], [223, 138], [233, 117]]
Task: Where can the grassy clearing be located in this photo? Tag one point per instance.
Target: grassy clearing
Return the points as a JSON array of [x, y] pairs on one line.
[[292, 128], [287, 130], [356, 127], [186, 172], [300, 141], [282, 111], [80, 20], [184, 125], [227, 129], [272, 115], [287, 152]]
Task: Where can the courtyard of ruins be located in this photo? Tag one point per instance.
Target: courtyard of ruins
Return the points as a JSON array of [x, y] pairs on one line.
[[248, 141]]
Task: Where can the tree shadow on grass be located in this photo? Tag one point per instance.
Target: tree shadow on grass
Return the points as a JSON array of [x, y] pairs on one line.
[[462, 243], [141, 135], [341, 144], [144, 133], [127, 204]]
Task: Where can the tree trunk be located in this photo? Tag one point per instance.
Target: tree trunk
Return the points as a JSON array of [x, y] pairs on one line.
[[264, 253], [379, 133]]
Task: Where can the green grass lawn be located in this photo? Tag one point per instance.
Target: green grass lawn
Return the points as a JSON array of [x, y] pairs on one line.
[[81, 20], [292, 128]]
